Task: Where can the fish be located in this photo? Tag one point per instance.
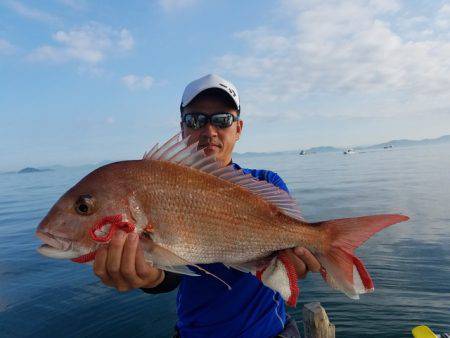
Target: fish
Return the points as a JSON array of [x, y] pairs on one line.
[[189, 210]]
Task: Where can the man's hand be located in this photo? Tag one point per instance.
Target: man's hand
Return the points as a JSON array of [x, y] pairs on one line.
[[121, 264], [303, 261]]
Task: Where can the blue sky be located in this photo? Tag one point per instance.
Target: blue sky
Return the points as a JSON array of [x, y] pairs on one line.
[[85, 81]]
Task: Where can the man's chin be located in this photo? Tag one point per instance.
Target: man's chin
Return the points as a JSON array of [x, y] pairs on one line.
[[210, 150]]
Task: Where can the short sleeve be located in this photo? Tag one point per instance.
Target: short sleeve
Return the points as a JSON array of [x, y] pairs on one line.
[[276, 180], [269, 176]]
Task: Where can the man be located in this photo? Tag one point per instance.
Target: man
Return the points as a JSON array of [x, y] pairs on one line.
[[210, 114]]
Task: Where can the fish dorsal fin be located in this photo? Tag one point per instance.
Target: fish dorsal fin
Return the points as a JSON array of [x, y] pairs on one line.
[[177, 150], [159, 153], [149, 153], [269, 193]]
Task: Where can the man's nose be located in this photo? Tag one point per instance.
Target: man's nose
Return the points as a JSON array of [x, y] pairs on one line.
[[210, 130]]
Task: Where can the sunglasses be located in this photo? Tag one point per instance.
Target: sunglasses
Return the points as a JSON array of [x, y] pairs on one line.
[[199, 120]]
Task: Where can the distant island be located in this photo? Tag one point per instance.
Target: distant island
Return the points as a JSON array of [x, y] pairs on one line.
[[409, 143], [31, 170], [385, 145]]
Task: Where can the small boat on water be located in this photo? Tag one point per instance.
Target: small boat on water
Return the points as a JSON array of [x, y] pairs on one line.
[[306, 152], [389, 146], [349, 151], [424, 331]]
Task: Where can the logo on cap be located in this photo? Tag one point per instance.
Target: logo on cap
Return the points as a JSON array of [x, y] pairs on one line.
[[230, 90]]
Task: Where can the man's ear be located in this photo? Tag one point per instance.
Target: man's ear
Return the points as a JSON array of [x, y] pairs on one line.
[[239, 126]]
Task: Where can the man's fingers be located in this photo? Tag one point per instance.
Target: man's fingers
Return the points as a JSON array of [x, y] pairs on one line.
[[127, 265], [114, 259], [150, 275], [142, 267], [121, 264], [100, 266], [308, 258], [300, 266]]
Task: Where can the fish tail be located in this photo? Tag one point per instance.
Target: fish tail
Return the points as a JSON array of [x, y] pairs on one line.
[[341, 269]]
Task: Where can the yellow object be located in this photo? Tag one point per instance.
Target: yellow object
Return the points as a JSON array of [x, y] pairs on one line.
[[423, 331]]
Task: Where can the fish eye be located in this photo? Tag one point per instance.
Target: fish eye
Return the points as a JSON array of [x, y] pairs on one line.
[[85, 205]]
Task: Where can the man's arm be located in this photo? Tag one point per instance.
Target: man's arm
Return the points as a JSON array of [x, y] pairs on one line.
[[170, 282], [121, 264]]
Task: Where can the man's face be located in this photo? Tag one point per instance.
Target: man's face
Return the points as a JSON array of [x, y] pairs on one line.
[[212, 139]]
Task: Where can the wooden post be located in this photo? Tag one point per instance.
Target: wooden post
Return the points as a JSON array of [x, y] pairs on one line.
[[316, 323]]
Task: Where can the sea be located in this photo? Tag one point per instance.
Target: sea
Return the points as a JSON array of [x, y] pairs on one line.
[[409, 262]]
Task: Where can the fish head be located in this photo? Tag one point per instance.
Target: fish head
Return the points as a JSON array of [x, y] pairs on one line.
[[65, 228]]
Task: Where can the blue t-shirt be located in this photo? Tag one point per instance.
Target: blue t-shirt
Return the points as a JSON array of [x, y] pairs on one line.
[[206, 308]]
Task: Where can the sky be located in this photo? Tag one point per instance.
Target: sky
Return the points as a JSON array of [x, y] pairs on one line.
[[87, 81]]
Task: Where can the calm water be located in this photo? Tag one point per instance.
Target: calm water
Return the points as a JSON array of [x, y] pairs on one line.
[[409, 262]]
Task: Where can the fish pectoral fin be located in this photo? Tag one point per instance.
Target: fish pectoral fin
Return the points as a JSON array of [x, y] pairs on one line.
[[280, 275], [253, 266], [166, 260], [170, 261], [180, 269], [242, 268]]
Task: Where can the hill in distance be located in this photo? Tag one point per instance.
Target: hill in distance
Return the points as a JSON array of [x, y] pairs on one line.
[[393, 143]]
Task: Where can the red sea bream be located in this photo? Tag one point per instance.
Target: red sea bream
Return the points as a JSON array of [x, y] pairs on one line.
[[197, 212]]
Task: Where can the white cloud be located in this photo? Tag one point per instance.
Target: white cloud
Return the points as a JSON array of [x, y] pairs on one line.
[[77, 5], [126, 41], [134, 82], [344, 49], [30, 13], [384, 6], [6, 48], [171, 5], [443, 17], [88, 44]]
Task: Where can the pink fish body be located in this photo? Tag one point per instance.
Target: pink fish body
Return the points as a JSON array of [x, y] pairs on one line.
[[197, 212]]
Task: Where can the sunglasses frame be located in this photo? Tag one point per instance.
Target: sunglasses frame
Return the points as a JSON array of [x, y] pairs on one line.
[[209, 119]]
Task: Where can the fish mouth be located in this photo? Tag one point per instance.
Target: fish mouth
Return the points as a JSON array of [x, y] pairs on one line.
[[56, 246], [54, 241]]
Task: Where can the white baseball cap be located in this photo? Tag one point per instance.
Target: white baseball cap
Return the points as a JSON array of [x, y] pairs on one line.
[[207, 82]]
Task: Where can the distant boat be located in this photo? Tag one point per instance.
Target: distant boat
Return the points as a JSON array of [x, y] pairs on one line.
[[388, 146], [302, 153], [349, 151]]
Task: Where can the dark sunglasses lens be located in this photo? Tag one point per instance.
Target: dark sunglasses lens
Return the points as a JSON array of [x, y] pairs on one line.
[[222, 120], [195, 121]]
